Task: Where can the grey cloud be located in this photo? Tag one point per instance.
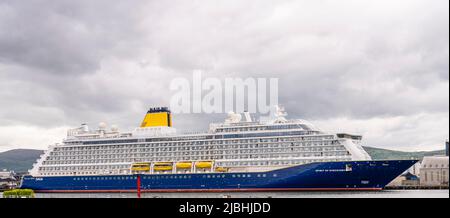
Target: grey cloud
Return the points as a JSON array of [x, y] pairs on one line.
[[67, 62], [63, 37]]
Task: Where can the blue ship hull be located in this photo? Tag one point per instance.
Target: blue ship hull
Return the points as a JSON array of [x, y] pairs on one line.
[[352, 175]]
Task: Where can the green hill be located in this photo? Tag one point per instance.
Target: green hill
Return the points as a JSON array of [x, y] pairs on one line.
[[385, 154], [19, 160]]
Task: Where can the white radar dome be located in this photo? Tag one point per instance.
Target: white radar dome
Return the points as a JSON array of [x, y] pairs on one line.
[[102, 125]]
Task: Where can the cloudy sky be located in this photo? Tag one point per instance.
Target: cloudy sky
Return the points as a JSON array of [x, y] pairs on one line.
[[377, 68]]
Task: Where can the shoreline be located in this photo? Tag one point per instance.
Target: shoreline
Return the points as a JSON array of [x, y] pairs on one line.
[[385, 189], [411, 193], [416, 188]]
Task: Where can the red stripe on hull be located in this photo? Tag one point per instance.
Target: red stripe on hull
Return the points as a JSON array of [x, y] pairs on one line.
[[209, 190]]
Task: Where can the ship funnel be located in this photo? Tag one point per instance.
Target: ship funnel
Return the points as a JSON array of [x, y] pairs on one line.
[[159, 116]]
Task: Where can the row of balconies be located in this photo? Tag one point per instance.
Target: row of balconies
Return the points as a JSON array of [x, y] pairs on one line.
[[228, 156], [213, 142], [212, 152], [259, 146]]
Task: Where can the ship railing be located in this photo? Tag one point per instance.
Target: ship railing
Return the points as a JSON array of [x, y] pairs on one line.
[[235, 124], [194, 133]]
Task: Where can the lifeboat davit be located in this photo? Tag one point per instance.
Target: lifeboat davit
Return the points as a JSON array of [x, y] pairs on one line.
[[184, 165], [139, 167], [203, 164], [221, 169], [164, 166]]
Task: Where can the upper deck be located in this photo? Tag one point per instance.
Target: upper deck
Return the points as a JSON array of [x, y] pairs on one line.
[[235, 145]]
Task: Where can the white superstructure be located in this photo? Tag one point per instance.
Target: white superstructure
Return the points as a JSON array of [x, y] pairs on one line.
[[239, 144]]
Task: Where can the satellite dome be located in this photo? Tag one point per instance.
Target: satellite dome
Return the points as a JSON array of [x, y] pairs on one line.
[[102, 125]]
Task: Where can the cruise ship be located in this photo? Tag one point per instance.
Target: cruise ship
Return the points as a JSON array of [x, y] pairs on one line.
[[239, 154]]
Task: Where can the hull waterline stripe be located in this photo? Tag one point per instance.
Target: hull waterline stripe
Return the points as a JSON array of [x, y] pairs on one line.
[[209, 190]]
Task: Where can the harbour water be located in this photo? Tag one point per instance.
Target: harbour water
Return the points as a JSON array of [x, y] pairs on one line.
[[353, 194]]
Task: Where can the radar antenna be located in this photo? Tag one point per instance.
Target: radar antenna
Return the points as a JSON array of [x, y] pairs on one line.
[[280, 114]]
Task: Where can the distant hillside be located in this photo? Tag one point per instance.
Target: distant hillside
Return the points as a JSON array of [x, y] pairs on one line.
[[19, 160], [385, 154]]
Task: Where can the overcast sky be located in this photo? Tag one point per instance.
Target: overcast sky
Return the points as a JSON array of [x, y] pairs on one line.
[[376, 68]]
